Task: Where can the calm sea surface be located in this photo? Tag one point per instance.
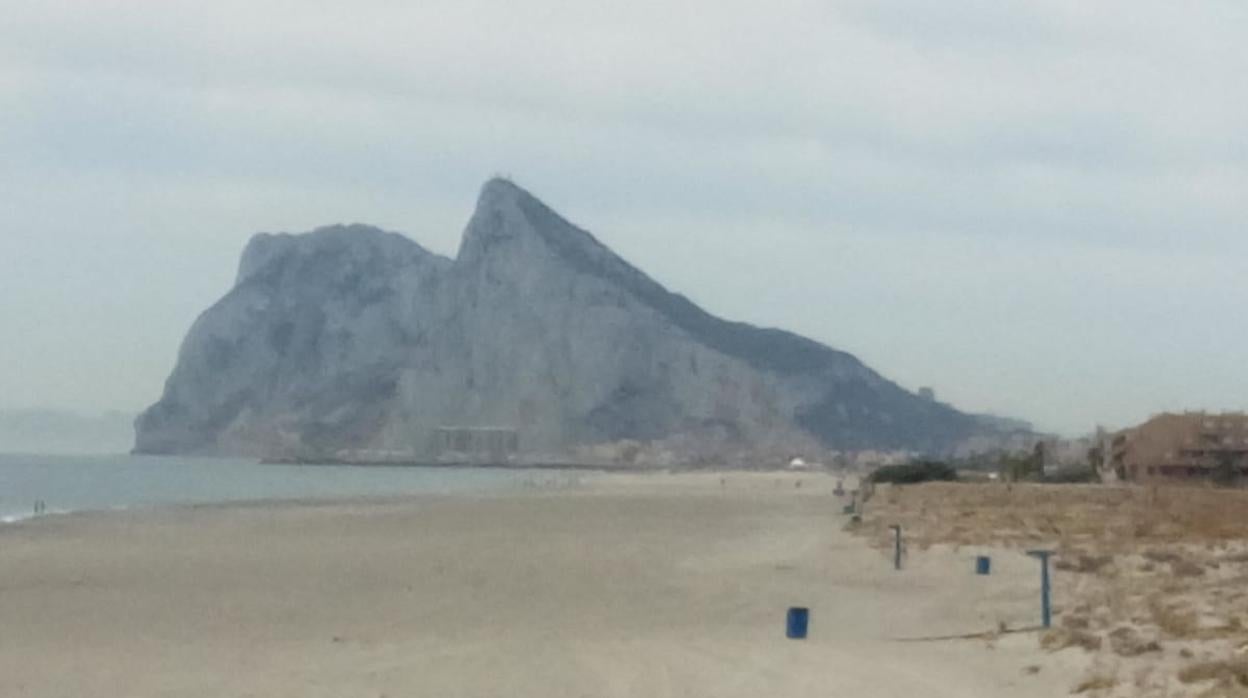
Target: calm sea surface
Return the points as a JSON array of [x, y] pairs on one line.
[[77, 483]]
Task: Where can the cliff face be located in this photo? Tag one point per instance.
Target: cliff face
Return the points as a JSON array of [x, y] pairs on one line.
[[353, 338]]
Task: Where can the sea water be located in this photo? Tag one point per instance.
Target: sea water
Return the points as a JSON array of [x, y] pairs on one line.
[[88, 483]]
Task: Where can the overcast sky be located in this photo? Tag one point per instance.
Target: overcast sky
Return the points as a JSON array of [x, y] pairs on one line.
[[1036, 208]]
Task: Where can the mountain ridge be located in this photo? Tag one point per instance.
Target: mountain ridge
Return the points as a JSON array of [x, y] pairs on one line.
[[682, 311], [351, 337]]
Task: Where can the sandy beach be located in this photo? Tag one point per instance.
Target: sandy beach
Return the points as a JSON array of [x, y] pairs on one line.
[[626, 585]]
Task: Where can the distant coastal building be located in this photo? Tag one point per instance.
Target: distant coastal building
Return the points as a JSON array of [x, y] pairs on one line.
[[1193, 445], [476, 444]]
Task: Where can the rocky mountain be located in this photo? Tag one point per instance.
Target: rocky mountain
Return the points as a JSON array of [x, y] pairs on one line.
[[352, 338]]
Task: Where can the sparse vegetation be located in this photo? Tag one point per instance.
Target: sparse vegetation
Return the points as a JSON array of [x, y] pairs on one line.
[[1083, 563], [1061, 638], [1127, 641], [1072, 474], [1186, 568], [913, 473], [1226, 672], [1076, 620], [1151, 576], [1019, 468], [1096, 683], [1176, 621], [1119, 518], [1166, 556], [1226, 471]]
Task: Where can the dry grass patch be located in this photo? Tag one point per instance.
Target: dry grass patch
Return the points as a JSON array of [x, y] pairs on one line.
[[1061, 638], [1140, 567], [1096, 683], [1174, 620], [1186, 568], [1083, 563], [1227, 672], [1126, 641], [1163, 556], [983, 514], [1076, 621]]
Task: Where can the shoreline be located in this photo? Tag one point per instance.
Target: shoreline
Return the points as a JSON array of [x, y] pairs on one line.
[[593, 478], [405, 463], [599, 467], [281, 502], [64, 485]]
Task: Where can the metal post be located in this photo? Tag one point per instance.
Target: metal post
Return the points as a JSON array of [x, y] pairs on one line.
[[1046, 609], [896, 546]]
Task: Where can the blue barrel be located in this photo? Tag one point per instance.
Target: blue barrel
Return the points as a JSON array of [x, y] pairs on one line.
[[798, 622], [983, 565]]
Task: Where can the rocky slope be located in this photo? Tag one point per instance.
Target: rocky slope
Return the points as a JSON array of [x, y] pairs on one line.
[[354, 338]]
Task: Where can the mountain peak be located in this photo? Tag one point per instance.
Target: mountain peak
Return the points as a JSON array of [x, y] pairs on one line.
[[502, 197], [496, 188], [355, 240], [508, 219]]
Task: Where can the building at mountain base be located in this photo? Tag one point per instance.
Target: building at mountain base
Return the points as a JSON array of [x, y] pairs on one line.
[[1188, 446], [476, 444]]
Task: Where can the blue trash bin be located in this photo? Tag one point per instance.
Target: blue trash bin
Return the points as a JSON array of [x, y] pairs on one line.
[[797, 624], [983, 565]]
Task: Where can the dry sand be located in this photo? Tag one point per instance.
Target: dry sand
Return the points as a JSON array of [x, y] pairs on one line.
[[628, 586]]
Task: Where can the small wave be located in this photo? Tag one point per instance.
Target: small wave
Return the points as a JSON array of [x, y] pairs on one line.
[[29, 516]]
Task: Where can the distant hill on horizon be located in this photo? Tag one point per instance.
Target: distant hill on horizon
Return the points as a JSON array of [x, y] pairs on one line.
[[65, 432], [353, 338]]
